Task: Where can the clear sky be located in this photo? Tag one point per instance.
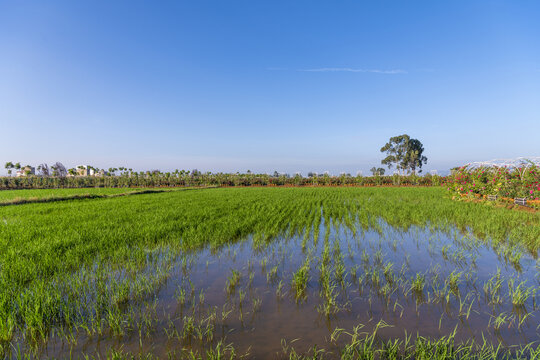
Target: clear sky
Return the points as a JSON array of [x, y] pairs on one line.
[[267, 85]]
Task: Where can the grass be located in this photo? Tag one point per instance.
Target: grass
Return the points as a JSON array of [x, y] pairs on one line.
[[79, 264]]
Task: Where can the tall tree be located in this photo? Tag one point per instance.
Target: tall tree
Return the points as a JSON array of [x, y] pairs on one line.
[[404, 153], [414, 158]]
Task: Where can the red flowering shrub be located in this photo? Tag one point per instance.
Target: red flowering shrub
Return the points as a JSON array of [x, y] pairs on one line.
[[523, 182]]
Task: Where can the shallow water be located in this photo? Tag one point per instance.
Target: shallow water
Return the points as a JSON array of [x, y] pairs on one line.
[[264, 321]]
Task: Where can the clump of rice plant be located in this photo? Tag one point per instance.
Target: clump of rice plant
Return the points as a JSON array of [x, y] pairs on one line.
[[519, 294], [300, 280], [232, 281]]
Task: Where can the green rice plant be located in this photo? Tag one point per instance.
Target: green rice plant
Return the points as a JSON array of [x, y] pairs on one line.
[[365, 258], [201, 297], [465, 310], [256, 305], [492, 288], [271, 276], [241, 297], [499, 320], [418, 283], [180, 295], [340, 272], [232, 281], [445, 251], [386, 291], [375, 279], [452, 282], [279, 290], [515, 259], [263, 265], [378, 258], [388, 273], [225, 314], [300, 280], [188, 328], [353, 272], [519, 294]]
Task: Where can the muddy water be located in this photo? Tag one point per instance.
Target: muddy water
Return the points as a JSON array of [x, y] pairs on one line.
[[260, 320]]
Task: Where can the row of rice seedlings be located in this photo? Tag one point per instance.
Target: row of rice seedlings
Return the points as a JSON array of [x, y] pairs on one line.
[[358, 345]]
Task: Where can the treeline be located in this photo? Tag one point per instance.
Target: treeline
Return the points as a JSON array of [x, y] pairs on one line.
[[196, 178]]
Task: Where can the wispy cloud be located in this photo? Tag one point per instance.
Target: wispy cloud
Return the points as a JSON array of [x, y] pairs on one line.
[[353, 70]]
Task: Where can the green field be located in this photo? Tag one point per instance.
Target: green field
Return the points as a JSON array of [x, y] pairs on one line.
[[92, 268], [14, 195]]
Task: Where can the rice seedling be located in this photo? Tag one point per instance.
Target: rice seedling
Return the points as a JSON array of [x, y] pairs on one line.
[[232, 281], [256, 305], [418, 283], [300, 279], [519, 294], [271, 276], [241, 297], [499, 320], [388, 273], [180, 295], [279, 290], [353, 272], [201, 297], [452, 282]]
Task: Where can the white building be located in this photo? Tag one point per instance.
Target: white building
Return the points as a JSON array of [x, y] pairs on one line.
[[85, 170], [26, 171]]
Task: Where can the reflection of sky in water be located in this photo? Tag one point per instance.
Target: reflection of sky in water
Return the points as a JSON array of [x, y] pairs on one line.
[[433, 254]]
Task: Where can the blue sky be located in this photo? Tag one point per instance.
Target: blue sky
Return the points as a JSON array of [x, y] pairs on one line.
[[267, 85]]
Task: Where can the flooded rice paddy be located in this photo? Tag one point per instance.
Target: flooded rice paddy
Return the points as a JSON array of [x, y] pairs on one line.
[[323, 287]]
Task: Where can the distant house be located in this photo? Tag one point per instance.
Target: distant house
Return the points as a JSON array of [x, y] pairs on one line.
[[26, 171], [85, 170]]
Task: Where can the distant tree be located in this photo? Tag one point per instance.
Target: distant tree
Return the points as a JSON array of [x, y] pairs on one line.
[[9, 166], [59, 169], [377, 171], [44, 169], [404, 153], [276, 174]]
